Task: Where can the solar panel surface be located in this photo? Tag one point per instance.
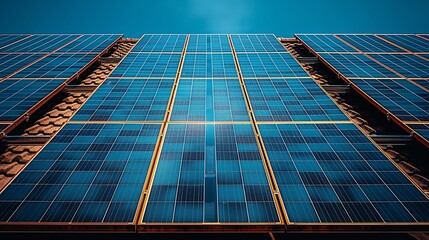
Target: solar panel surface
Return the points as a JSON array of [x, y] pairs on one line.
[[10, 63]]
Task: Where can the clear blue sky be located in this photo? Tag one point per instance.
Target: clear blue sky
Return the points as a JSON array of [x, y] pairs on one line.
[[281, 17]]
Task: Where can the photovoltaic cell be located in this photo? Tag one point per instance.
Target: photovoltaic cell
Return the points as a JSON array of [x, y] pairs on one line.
[[325, 43], [210, 174], [8, 39], [409, 65], [148, 65], [269, 65], [40, 43], [424, 83], [422, 129], [56, 66], [256, 43], [357, 65], [410, 42], [291, 100], [370, 43], [160, 43], [332, 173], [87, 173], [209, 100], [400, 97], [127, 100], [208, 43], [96, 43], [10, 63], [2, 127], [18, 96], [209, 65]]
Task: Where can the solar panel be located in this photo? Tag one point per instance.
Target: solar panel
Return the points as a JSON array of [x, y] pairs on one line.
[[357, 65], [10, 63], [424, 55], [148, 65], [90, 173], [256, 43], [325, 43], [208, 43], [96, 43], [18, 96], [424, 83], [370, 43], [292, 99], [8, 39], [209, 100], [409, 65], [3, 126], [332, 173], [410, 42], [56, 66], [269, 65], [127, 99], [209, 65], [422, 129], [400, 97], [210, 174], [160, 43], [40, 43]]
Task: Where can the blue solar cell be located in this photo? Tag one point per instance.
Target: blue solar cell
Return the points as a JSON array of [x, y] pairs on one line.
[[208, 43], [40, 43], [210, 173], [148, 65], [91, 187], [56, 66], [409, 65], [10, 63], [18, 96], [370, 43], [400, 97], [256, 43], [295, 99], [423, 83], [209, 100], [357, 65], [127, 100], [412, 43], [209, 65], [325, 43], [269, 65], [90, 43], [334, 191], [422, 129], [160, 43], [8, 39]]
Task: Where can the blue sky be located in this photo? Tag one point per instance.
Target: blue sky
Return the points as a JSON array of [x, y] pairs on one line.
[[281, 17]]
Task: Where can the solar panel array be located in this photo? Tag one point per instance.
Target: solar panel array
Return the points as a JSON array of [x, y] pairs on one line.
[[227, 130], [393, 70]]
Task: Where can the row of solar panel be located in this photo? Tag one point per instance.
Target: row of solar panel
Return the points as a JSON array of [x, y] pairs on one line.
[[368, 43], [327, 173]]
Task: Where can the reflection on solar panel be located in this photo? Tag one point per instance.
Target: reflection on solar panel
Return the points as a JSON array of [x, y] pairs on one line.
[[424, 83], [40, 43], [90, 43], [56, 66], [127, 100], [332, 173], [160, 43], [325, 43], [256, 43], [400, 97], [209, 100], [269, 65], [208, 43], [87, 173], [410, 42], [210, 173], [9, 63], [18, 96], [370, 43], [409, 65], [291, 100], [357, 65], [148, 65], [209, 65], [8, 39], [422, 129]]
